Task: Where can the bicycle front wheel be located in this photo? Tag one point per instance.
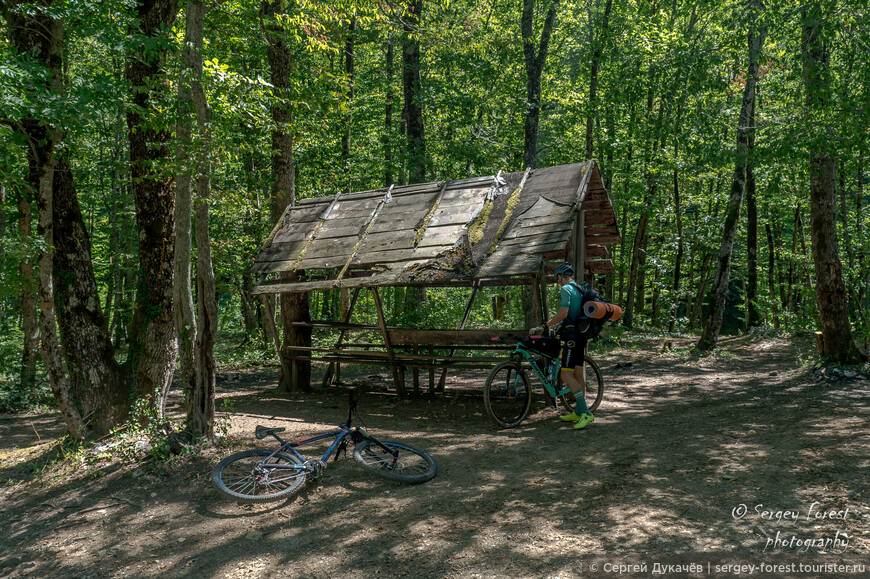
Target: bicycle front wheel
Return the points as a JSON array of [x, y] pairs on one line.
[[507, 395], [410, 466], [252, 477], [594, 388]]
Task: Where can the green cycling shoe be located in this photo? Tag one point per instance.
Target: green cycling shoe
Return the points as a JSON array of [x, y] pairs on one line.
[[569, 417], [584, 421]]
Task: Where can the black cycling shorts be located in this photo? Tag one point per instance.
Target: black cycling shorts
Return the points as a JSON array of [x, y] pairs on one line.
[[573, 351]]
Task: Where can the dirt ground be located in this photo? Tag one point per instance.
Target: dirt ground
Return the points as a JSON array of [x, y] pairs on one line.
[[689, 461]]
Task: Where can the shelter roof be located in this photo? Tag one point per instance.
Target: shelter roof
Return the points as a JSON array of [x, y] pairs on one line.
[[440, 233]]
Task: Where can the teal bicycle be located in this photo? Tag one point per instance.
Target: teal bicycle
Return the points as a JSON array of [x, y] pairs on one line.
[[507, 395]]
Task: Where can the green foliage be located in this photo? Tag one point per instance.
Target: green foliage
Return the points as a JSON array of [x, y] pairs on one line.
[[669, 90]]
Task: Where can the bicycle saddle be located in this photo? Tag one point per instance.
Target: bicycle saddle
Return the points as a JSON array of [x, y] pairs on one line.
[[262, 432]]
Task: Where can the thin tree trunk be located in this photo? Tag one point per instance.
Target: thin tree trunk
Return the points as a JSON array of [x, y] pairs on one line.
[[29, 311], [535, 61], [153, 347], [593, 75], [771, 277], [417, 158], [713, 324], [678, 260], [348, 120], [388, 118], [753, 316], [639, 236]]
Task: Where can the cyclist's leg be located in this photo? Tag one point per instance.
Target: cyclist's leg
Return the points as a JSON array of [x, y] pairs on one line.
[[572, 355], [579, 369]]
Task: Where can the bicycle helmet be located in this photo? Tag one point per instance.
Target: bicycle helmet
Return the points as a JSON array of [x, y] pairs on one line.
[[564, 268]]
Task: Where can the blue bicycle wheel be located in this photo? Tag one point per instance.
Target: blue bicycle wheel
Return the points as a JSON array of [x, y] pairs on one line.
[[252, 477]]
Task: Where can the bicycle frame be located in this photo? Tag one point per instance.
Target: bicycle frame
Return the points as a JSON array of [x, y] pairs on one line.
[[545, 381], [344, 430]]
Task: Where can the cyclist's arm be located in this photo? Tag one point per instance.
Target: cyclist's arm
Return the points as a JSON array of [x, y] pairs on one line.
[[560, 315]]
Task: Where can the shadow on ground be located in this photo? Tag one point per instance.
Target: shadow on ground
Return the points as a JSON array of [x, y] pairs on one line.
[[686, 457]]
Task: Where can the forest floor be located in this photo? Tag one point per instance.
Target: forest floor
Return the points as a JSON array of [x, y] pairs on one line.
[[743, 457]]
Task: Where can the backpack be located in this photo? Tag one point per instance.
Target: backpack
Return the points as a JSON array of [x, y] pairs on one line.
[[588, 327]]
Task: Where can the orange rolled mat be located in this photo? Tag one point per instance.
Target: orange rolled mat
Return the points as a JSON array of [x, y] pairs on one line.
[[598, 310]]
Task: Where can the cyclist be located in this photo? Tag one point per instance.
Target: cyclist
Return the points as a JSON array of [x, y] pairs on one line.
[[574, 346]]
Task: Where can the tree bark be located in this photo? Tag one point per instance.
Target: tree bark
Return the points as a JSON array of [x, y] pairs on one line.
[[771, 275], [831, 297], [713, 323], [349, 62], [593, 76], [95, 376], [753, 316], [678, 260], [535, 61], [29, 311], [294, 307], [417, 158], [200, 399], [185, 318], [388, 118], [33, 31], [153, 347]]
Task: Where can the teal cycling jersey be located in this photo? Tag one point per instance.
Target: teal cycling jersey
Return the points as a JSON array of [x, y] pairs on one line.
[[572, 298]]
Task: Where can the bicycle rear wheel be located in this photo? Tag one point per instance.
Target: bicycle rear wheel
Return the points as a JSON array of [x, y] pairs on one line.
[[410, 466], [245, 476], [594, 388], [507, 395]]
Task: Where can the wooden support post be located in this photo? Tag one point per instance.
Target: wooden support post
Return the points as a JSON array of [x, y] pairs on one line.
[[475, 285], [542, 286], [580, 246], [432, 372], [536, 300], [270, 319], [415, 372], [334, 368], [397, 380]]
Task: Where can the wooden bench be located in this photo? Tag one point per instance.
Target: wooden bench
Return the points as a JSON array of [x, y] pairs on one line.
[[406, 348]]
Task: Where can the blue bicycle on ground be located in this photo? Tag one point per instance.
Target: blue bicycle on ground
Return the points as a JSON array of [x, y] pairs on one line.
[[507, 395], [261, 475]]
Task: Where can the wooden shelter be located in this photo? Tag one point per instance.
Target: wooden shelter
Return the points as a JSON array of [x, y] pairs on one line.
[[503, 229]]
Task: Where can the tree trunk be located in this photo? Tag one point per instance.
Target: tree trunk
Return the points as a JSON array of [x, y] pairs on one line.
[[771, 275], [153, 347], [412, 115], [348, 120], [753, 317], [678, 211], [593, 76], [294, 307], [39, 35], [713, 323], [388, 118], [631, 295], [185, 318], [534, 70], [200, 400], [95, 376], [29, 311], [831, 297]]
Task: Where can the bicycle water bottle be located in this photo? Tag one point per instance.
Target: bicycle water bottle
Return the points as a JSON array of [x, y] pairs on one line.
[[554, 369]]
